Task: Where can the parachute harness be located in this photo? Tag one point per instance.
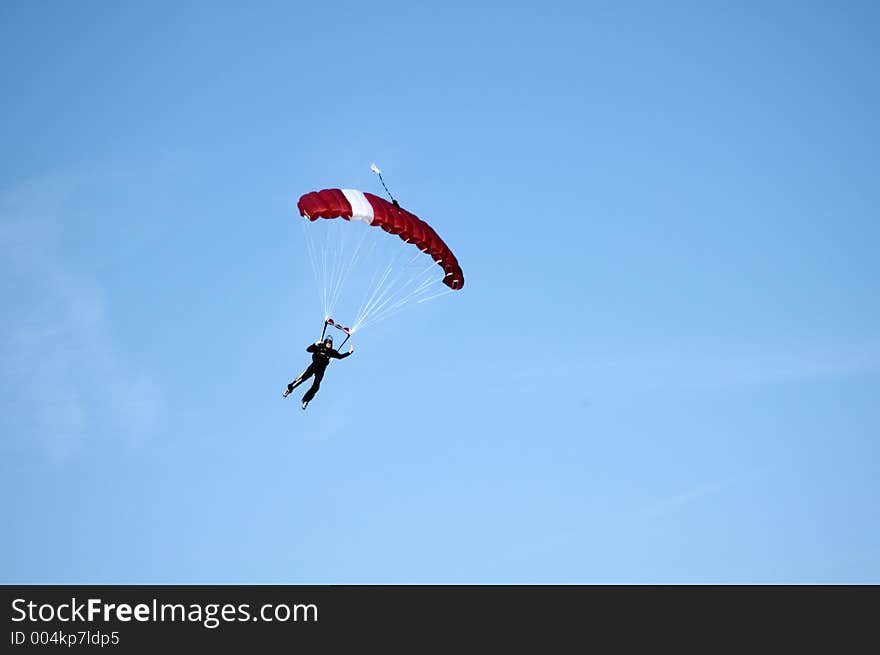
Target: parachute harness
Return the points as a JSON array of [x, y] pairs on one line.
[[330, 321]]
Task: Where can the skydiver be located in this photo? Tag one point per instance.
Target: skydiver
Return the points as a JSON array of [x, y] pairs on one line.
[[322, 353]]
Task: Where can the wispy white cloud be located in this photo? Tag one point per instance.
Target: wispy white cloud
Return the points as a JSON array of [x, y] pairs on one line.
[[733, 367], [606, 526], [700, 492], [677, 368], [64, 379]]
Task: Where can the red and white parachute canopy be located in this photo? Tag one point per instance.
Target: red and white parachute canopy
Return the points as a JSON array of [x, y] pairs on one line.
[[359, 206]]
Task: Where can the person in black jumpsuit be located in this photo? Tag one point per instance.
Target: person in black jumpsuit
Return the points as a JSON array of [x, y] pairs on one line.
[[322, 353]]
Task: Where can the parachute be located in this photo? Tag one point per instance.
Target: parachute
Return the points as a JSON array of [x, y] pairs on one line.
[[352, 261], [359, 206]]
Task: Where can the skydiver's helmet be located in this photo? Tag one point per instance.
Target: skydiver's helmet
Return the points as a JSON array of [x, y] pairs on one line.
[[328, 341]]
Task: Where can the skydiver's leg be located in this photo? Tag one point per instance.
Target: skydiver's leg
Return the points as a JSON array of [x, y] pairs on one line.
[[319, 375], [302, 377]]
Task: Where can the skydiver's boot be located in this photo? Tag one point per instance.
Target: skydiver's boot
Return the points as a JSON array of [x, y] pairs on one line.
[[285, 393], [305, 404]]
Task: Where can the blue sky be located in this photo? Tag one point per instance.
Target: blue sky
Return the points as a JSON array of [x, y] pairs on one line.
[[664, 366]]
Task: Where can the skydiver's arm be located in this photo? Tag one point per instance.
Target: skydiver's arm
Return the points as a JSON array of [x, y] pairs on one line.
[[313, 347], [335, 354]]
